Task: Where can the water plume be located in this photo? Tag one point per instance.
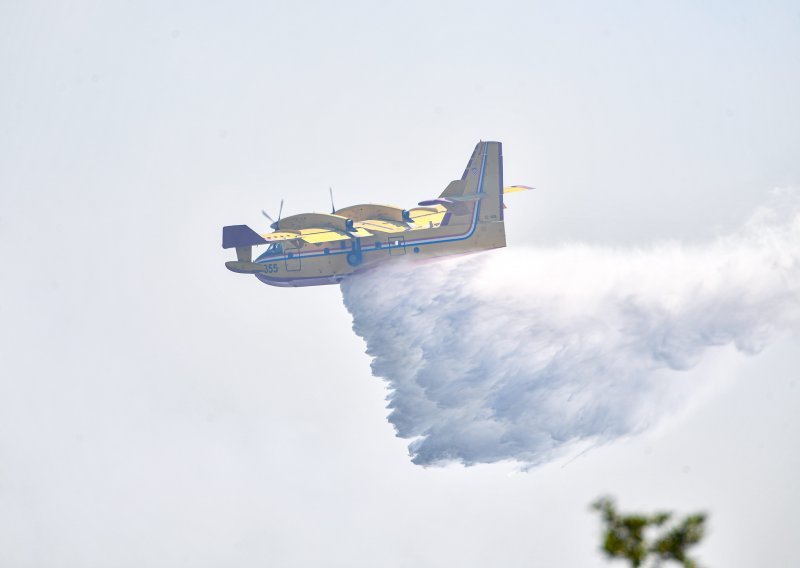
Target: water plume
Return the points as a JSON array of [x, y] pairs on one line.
[[523, 353]]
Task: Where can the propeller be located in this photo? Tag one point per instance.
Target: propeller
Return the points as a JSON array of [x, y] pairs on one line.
[[333, 209], [275, 224]]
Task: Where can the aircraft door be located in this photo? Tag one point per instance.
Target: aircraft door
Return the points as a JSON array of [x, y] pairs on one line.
[[397, 246], [292, 258]]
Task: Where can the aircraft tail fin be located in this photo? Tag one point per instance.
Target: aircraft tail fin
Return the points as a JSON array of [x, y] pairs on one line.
[[483, 176]]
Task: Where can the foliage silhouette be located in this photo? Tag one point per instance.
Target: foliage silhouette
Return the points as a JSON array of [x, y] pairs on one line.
[[625, 536]]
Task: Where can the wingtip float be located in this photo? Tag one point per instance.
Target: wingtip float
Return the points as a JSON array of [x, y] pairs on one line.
[[312, 249]]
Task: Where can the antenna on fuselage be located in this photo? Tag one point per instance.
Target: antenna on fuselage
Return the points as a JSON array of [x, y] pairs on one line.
[[333, 209]]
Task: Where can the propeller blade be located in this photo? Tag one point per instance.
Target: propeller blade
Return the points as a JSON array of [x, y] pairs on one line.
[[280, 211], [265, 214], [333, 209]]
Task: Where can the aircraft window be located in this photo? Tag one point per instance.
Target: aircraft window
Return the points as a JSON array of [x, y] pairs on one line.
[[275, 248], [326, 251], [377, 245]]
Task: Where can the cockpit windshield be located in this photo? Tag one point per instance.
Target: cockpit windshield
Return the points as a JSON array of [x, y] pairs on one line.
[[275, 248]]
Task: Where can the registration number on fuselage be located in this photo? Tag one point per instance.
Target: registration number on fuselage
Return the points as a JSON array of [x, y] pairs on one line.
[[270, 268]]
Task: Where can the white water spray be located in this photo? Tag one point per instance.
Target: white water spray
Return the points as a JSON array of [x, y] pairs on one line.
[[522, 353]]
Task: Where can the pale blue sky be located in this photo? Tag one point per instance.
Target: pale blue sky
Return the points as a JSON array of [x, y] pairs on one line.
[[156, 409]]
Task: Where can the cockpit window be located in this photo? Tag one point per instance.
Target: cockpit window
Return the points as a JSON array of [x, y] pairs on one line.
[[275, 248]]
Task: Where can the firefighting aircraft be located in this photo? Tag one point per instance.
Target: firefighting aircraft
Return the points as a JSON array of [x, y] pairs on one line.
[[311, 249]]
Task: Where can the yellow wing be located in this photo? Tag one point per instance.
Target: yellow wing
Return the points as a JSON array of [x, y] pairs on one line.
[[314, 235], [278, 236]]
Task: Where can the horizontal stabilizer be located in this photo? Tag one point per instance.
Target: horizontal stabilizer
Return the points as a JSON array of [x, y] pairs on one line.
[[515, 188], [473, 197], [240, 236]]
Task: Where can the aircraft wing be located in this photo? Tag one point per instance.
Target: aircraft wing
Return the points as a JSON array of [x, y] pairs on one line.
[[428, 215], [321, 235], [314, 235], [279, 236], [382, 226]]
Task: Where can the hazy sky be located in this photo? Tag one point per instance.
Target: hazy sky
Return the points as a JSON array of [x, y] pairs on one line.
[[158, 410]]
